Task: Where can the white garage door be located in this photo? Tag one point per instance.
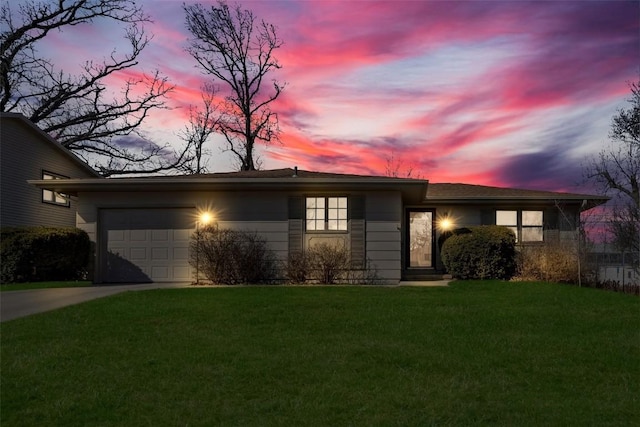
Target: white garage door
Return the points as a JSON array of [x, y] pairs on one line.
[[146, 245]]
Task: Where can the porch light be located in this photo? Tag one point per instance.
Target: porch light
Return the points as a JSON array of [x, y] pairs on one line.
[[445, 224], [205, 218]]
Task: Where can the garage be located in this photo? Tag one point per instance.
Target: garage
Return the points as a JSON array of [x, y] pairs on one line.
[[145, 245]]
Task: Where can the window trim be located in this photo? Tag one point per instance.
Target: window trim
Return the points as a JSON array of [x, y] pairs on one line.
[[520, 227], [524, 227], [47, 175], [326, 218]]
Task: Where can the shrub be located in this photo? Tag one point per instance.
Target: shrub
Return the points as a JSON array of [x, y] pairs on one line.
[[446, 234], [298, 268], [31, 254], [486, 252], [550, 262], [232, 257], [364, 276], [329, 263]]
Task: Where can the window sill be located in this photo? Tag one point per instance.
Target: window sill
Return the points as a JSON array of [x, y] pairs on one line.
[[62, 205]]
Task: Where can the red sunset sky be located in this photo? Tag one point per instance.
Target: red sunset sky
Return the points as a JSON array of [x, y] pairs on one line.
[[511, 93]]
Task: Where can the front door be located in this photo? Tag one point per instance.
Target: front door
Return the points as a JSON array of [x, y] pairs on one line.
[[420, 239]]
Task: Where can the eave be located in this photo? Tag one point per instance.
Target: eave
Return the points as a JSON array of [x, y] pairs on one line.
[[413, 191], [585, 202]]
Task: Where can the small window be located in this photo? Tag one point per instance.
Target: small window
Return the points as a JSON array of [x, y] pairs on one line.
[[326, 213], [526, 225], [54, 197]]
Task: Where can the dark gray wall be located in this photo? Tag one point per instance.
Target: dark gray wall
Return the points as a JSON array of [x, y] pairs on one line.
[[24, 154]]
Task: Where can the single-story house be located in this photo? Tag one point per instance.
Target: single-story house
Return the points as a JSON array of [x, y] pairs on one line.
[[141, 226], [27, 153]]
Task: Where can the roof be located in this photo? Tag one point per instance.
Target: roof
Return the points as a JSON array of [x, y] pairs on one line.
[[452, 193], [283, 173], [46, 137], [413, 190]]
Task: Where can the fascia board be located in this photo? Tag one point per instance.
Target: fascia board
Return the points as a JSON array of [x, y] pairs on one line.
[[412, 189]]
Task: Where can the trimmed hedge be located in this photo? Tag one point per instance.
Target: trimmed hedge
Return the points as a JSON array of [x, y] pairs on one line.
[[482, 252], [34, 254]]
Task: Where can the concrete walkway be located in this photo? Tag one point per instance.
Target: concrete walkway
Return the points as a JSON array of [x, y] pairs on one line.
[[425, 283], [16, 304]]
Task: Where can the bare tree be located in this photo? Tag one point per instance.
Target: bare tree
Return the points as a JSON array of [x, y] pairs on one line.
[[202, 124], [77, 109], [396, 168], [229, 44], [617, 172]]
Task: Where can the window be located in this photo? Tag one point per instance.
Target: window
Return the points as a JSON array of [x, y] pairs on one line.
[[532, 226], [508, 219], [49, 196], [527, 225], [326, 213]]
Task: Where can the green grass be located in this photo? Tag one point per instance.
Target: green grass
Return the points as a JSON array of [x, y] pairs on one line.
[[474, 353], [42, 285]]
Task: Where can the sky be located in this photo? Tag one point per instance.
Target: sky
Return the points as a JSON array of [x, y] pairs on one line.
[[503, 93]]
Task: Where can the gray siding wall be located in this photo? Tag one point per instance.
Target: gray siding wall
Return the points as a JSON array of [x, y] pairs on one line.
[[264, 213], [383, 234], [24, 154], [267, 213], [380, 229]]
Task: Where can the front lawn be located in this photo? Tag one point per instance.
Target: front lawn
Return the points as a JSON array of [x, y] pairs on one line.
[[475, 353]]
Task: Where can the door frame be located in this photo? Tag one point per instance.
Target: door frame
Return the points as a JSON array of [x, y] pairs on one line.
[[406, 262]]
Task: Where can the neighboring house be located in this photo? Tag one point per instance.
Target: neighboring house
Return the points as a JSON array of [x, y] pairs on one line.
[[141, 226], [27, 153], [611, 265]]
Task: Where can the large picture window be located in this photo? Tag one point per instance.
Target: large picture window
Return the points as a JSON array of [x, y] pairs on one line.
[[326, 213], [54, 197], [527, 225]]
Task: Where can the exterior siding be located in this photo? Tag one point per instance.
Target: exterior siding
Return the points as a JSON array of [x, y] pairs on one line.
[[274, 232], [383, 234], [25, 154], [264, 213], [267, 214]]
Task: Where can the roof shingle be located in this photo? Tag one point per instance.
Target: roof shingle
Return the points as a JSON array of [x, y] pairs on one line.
[[444, 191]]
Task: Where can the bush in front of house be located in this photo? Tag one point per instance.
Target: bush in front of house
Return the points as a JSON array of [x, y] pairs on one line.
[[486, 252], [232, 257], [446, 234], [298, 267], [33, 254], [328, 264], [554, 261]]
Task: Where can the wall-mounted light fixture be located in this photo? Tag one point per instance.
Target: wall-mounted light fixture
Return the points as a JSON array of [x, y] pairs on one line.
[[205, 218], [446, 224]]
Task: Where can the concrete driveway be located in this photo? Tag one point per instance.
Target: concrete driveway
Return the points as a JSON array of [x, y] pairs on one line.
[[15, 304]]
